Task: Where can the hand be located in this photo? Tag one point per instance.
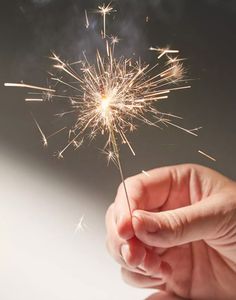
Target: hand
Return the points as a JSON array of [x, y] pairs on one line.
[[182, 234]]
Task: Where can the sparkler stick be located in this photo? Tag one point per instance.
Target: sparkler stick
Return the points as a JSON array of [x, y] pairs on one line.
[[117, 155]]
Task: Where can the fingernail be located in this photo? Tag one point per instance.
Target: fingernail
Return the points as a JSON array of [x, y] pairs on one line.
[[125, 251], [124, 227]]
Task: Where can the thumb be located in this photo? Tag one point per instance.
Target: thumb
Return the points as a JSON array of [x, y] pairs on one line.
[[201, 221]]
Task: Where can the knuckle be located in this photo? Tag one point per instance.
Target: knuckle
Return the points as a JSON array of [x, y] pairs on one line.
[[129, 277], [113, 251], [135, 189], [137, 280], [174, 227], [124, 275]]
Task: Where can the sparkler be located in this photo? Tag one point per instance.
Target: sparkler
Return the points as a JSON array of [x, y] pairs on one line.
[[112, 96]]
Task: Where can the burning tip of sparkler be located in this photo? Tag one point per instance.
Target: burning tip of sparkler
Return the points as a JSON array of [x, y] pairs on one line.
[[105, 105]]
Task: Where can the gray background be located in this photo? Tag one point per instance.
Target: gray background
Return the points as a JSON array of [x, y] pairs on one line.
[[36, 186]]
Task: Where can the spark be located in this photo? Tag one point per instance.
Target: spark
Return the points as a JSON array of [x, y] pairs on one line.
[[23, 85], [146, 173], [34, 100], [86, 20], [81, 226], [110, 156], [114, 40], [206, 155], [44, 139], [163, 51], [105, 10], [56, 133]]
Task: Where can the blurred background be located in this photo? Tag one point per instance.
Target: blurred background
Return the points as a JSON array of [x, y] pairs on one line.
[[41, 198]]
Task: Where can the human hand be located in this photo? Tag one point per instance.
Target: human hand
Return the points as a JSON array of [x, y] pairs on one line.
[[182, 235]]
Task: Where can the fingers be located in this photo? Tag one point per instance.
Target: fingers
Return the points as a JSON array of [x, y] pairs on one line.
[[201, 221], [133, 253], [163, 296], [127, 253], [133, 256], [153, 273], [154, 266], [164, 189], [141, 281], [144, 192]]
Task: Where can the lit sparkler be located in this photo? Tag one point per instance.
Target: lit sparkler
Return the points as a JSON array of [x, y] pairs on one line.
[[114, 95]]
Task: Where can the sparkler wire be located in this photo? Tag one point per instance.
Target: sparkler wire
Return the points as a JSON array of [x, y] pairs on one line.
[[116, 151]]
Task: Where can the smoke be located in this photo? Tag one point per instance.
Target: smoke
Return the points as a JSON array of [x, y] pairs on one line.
[[60, 25], [41, 2]]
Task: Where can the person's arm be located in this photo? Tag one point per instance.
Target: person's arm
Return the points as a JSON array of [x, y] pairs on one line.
[[182, 234]]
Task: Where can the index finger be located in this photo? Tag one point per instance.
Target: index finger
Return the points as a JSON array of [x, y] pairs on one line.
[[146, 192]]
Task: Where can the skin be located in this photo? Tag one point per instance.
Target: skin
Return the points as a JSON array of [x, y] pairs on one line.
[[181, 238]]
